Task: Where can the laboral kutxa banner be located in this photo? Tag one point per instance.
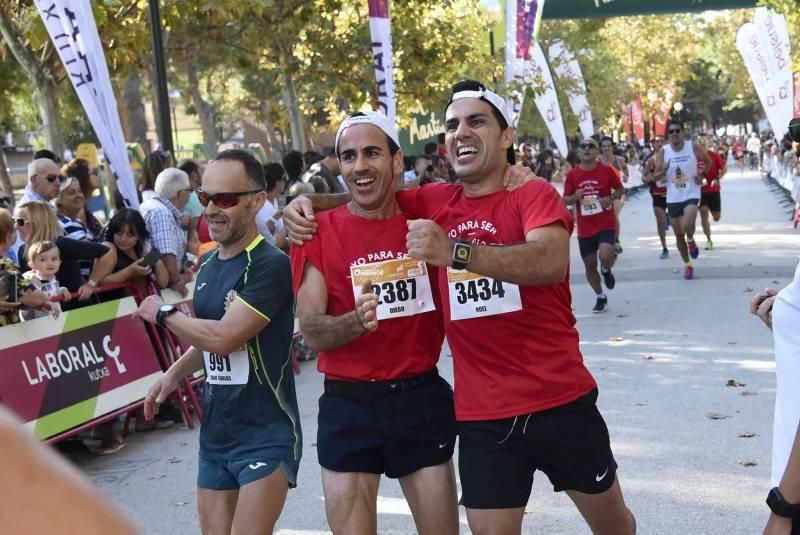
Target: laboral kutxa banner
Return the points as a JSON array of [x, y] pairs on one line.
[[56, 374]]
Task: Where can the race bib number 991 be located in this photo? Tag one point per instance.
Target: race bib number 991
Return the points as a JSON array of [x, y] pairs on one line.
[[402, 286], [231, 369], [475, 296]]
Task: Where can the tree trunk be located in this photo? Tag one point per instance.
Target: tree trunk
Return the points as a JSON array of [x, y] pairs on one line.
[[275, 146], [134, 111], [45, 93], [5, 180], [205, 110], [292, 106]]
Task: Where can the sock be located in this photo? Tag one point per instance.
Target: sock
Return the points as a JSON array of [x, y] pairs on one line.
[[604, 269], [601, 295], [689, 264]]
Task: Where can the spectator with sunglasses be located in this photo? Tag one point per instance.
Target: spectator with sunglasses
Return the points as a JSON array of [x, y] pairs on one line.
[[163, 216], [44, 181]]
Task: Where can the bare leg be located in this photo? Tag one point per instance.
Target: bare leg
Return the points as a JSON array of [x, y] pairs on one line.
[[216, 509], [431, 494], [607, 255], [495, 521], [704, 212], [716, 215], [351, 502], [680, 238], [606, 513], [689, 221], [592, 275], [661, 220], [260, 504]]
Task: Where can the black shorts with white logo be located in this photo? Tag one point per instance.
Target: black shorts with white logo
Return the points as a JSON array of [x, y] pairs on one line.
[[386, 427], [569, 443]]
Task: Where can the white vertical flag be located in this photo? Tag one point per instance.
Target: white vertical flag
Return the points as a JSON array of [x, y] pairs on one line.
[[547, 101], [72, 29], [773, 34], [567, 67], [380, 29]]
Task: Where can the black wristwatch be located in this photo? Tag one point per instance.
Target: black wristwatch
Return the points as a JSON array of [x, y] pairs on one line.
[[780, 506], [462, 254], [163, 312]]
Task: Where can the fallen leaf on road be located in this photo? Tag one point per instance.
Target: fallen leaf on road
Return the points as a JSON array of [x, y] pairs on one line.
[[641, 404], [184, 443], [747, 290], [162, 476], [638, 334], [647, 357], [748, 393], [622, 315], [775, 282], [734, 382], [748, 463], [716, 416], [616, 339], [181, 503], [174, 460], [731, 343], [747, 434]]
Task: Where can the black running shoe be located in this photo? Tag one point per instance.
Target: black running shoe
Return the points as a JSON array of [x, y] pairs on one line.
[[600, 306], [609, 279]]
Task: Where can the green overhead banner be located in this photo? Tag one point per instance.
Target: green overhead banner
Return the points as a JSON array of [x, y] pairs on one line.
[[425, 127], [583, 9]]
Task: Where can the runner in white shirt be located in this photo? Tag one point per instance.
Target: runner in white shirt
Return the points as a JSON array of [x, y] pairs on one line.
[[677, 162]]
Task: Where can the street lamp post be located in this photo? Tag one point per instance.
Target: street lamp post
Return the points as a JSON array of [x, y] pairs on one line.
[[495, 13], [165, 133]]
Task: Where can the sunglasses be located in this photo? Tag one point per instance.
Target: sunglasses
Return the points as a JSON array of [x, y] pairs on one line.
[[18, 221], [223, 200], [53, 178], [674, 131], [587, 146]]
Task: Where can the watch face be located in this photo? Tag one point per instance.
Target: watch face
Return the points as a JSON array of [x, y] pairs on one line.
[[462, 253]]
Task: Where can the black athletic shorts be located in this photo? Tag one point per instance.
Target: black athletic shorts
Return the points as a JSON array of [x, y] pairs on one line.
[[386, 427], [589, 246], [712, 199], [676, 209], [569, 443], [660, 201]]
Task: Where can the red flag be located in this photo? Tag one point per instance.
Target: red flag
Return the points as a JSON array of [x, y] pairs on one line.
[[638, 119], [797, 94]]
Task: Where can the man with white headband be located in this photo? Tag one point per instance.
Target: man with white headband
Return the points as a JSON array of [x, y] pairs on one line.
[[524, 399], [375, 318]]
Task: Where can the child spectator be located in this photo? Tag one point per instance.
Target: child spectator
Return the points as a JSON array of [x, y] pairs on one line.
[[44, 260]]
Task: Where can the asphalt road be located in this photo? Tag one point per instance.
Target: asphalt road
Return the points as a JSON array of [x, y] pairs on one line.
[[662, 356]]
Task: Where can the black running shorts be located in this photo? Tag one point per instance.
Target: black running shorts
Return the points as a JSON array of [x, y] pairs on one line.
[[660, 201], [386, 427], [569, 443], [589, 246], [676, 209], [713, 200]]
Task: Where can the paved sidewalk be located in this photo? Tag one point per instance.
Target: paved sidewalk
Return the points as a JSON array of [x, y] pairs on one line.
[[662, 356]]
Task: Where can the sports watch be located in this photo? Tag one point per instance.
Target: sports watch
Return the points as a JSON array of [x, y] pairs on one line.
[[163, 312], [462, 254], [778, 505]]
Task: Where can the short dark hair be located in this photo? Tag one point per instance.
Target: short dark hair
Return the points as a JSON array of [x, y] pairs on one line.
[[135, 223], [393, 147], [430, 148], [293, 163], [310, 157], [189, 167], [607, 138], [330, 152], [47, 154], [675, 121], [273, 173], [252, 167], [474, 85]]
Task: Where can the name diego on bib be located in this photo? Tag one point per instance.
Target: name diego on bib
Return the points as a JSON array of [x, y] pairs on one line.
[[476, 296], [231, 369], [402, 286]]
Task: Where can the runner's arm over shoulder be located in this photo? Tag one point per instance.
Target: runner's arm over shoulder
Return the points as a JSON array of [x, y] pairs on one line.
[[298, 216], [322, 331]]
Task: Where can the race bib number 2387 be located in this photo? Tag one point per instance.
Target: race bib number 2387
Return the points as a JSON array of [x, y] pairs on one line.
[[402, 286], [475, 296]]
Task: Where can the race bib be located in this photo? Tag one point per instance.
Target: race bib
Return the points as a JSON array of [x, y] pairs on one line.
[[681, 182], [591, 206], [232, 369], [402, 286], [475, 296]]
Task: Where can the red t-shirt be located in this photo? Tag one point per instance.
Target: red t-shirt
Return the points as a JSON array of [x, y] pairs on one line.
[[599, 182], [717, 163], [520, 354], [403, 346]]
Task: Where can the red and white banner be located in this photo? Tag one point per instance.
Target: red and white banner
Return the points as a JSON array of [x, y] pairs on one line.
[[567, 67], [380, 29], [638, 120], [71, 26], [765, 48], [547, 101], [522, 23]]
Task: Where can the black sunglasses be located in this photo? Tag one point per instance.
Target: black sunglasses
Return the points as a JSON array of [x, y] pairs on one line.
[[223, 200], [674, 131], [53, 178]]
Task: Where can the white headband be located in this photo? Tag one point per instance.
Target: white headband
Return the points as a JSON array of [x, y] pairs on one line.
[[369, 117], [493, 99]]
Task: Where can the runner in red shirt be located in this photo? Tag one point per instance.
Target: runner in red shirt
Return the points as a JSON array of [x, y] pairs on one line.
[[524, 399], [593, 187], [374, 315], [710, 193]]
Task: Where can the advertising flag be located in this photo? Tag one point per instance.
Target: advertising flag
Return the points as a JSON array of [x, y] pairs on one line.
[[380, 29], [547, 101], [72, 29], [797, 94], [638, 120], [522, 24], [567, 67]]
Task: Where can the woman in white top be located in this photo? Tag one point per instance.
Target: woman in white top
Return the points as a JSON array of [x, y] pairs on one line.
[[268, 220], [781, 313]]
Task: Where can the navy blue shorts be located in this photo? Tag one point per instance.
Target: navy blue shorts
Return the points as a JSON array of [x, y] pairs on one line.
[[589, 246], [386, 427], [231, 475], [676, 209]]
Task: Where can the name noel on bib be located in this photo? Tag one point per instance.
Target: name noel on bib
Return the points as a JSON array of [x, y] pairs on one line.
[[402, 286], [590, 205], [231, 369], [476, 296]]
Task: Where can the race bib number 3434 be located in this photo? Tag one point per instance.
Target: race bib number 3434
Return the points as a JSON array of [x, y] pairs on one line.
[[475, 296], [402, 286]]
